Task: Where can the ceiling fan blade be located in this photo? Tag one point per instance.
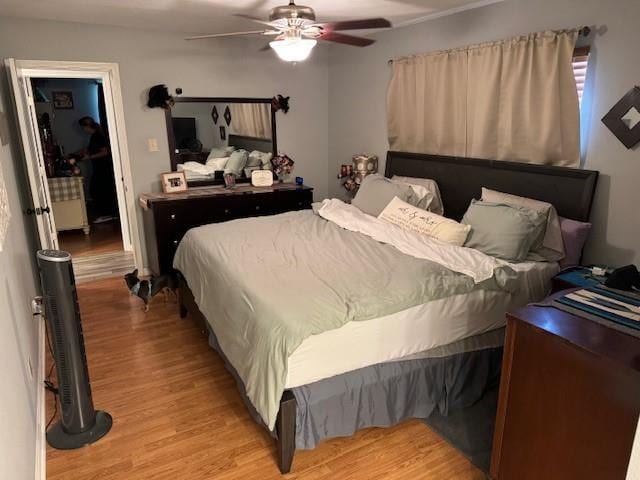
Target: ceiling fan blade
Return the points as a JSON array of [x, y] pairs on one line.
[[356, 24], [253, 19], [233, 34], [346, 39]]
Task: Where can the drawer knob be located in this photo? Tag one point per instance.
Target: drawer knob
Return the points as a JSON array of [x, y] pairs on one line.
[[257, 207], [226, 210], [175, 242], [173, 216], [299, 204]]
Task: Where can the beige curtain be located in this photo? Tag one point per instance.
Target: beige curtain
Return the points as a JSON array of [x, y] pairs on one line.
[[510, 100], [251, 119]]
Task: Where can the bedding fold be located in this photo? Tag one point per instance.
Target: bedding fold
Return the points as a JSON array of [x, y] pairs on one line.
[[265, 284]]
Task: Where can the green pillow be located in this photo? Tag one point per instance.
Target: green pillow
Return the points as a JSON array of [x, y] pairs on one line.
[[377, 191], [503, 231], [237, 162]]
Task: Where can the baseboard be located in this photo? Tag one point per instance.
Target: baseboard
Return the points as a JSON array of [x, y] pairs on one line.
[[41, 441]]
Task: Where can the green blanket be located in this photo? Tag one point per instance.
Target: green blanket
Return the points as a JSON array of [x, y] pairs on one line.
[[266, 284]]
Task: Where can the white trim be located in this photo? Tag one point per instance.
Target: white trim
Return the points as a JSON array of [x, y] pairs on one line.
[[446, 13], [41, 440], [110, 76]]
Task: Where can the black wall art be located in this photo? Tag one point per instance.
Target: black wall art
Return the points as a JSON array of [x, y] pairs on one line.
[[624, 118]]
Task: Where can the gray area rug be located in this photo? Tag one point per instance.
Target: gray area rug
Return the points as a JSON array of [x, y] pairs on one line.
[[470, 430]]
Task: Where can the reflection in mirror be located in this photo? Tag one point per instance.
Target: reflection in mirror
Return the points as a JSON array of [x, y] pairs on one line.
[[212, 137]]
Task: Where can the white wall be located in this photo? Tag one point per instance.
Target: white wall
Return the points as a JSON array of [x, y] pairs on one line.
[[358, 80], [222, 68], [18, 329]]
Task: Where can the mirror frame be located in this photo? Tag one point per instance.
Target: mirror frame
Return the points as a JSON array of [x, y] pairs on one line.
[[171, 136]]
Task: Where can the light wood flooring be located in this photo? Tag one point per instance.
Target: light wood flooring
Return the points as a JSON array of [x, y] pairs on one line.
[[177, 413], [103, 238]]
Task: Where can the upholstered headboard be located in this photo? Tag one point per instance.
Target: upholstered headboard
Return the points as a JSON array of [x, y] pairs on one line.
[[461, 179], [251, 143]]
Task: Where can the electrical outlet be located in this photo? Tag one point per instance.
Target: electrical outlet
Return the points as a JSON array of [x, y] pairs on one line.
[[153, 145]]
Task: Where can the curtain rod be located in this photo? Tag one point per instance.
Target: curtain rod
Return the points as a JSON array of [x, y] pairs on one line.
[[584, 31]]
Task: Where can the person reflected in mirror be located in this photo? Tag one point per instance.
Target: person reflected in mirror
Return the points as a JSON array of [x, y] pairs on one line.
[[103, 185]]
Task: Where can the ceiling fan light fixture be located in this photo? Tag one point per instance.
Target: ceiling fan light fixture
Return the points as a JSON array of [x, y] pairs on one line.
[[293, 49]]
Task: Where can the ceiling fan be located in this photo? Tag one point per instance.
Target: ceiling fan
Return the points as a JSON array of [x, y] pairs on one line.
[[296, 31]]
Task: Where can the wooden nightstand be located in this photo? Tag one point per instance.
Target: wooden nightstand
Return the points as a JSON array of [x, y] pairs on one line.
[[574, 277], [569, 398]]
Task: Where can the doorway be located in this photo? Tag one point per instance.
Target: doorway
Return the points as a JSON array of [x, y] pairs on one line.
[[72, 128]]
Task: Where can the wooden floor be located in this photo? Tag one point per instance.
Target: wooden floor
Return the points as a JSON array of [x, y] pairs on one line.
[[177, 413], [103, 238]]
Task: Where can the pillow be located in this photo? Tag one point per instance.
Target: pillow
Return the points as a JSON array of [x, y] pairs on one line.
[[501, 230], [434, 202], [258, 158], [220, 152], [419, 220], [217, 163], [574, 236], [236, 163], [376, 192], [549, 246]]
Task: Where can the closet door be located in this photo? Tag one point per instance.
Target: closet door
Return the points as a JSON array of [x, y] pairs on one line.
[[30, 138]]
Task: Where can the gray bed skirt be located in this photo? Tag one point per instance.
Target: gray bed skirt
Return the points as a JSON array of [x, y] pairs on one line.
[[385, 394]]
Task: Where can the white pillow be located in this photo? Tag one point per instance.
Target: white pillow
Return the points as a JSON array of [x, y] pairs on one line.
[[258, 158], [415, 219], [217, 163], [549, 246], [426, 189]]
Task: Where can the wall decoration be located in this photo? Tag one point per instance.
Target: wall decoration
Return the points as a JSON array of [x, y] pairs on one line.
[[223, 133], [214, 115], [5, 215], [173, 182], [280, 103], [227, 115], [62, 100], [624, 118], [159, 98]]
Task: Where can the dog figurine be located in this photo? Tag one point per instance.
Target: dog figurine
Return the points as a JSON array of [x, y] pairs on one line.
[[147, 289]]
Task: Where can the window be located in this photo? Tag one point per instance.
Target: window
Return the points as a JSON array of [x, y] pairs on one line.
[[580, 63]]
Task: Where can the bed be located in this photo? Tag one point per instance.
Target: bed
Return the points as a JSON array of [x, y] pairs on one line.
[[328, 330]]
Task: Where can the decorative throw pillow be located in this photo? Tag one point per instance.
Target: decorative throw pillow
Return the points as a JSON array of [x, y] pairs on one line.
[[220, 152], [258, 158], [574, 236], [218, 163], [548, 246], [236, 163], [415, 219], [434, 202], [376, 192], [501, 230]]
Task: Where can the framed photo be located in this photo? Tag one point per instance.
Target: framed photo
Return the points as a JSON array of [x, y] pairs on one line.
[[174, 182], [62, 100]]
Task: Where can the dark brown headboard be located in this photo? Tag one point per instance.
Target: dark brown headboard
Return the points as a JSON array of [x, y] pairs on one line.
[[461, 179]]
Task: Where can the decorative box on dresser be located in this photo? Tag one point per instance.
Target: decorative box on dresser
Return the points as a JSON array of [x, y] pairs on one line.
[[569, 398], [168, 216]]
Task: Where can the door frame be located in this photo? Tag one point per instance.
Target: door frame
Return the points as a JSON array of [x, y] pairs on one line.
[[109, 73]]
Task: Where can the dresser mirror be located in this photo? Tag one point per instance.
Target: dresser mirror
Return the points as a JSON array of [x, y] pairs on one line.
[[203, 131]]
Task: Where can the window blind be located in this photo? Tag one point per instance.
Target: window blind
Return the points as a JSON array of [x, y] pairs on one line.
[[580, 63]]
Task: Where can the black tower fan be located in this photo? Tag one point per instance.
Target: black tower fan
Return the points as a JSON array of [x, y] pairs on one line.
[[80, 424]]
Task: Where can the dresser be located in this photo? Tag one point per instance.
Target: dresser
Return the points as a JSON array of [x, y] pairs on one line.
[[569, 398], [168, 216]]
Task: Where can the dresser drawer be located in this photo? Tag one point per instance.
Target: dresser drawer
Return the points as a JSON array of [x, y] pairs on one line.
[[167, 221]]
